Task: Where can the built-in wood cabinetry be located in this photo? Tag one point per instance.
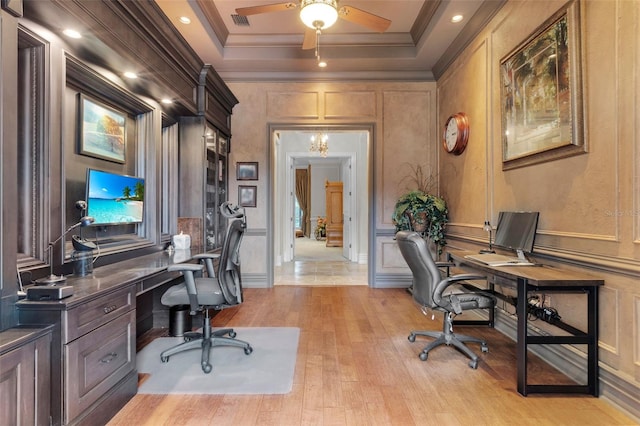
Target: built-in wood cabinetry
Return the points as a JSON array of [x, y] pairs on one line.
[[203, 180], [93, 353], [204, 144], [334, 214], [25, 376]]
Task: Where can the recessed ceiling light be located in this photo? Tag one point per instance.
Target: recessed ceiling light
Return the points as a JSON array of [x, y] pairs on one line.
[[457, 18], [322, 64], [185, 20], [72, 33], [167, 101], [130, 74]]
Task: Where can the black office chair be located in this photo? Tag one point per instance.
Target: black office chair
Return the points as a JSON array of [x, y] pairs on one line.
[[428, 290], [216, 291]]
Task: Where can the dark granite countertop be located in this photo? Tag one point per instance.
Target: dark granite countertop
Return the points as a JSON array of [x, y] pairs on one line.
[[113, 277]]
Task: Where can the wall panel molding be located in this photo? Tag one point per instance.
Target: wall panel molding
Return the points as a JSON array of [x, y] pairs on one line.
[[293, 105], [354, 105]]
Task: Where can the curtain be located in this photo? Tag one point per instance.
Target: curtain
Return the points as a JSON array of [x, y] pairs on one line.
[[302, 194]]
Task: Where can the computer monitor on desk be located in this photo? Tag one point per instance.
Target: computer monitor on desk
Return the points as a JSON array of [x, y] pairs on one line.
[[517, 231]]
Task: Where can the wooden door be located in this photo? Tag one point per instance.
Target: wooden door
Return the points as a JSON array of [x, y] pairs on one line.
[[334, 213]]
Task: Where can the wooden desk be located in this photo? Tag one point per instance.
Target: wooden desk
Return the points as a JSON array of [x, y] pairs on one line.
[[93, 349], [548, 279]]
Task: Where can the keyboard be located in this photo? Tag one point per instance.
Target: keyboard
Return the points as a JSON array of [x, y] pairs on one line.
[[493, 259]]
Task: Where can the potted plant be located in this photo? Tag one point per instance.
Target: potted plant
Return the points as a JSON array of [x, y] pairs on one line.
[[421, 211]]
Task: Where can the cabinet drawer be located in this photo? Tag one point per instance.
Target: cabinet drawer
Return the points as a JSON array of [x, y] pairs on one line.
[[91, 315], [96, 362]]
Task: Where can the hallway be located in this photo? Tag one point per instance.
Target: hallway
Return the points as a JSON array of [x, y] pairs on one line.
[[317, 265]]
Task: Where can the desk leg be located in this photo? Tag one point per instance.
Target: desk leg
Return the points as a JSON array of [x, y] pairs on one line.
[[592, 349], [521, 342]]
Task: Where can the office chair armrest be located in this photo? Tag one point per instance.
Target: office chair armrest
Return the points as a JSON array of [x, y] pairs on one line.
[[188, 270], [182, 267], [207, 259], [206, 256], [446, 282]]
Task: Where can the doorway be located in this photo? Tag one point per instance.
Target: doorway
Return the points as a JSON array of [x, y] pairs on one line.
[[347, 160]]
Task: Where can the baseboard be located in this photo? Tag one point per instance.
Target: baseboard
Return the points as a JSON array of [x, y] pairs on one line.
[[392, 281], [622, 392]]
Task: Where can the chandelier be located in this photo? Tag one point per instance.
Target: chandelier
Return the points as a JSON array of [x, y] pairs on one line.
[[319, 144], [318, 14]]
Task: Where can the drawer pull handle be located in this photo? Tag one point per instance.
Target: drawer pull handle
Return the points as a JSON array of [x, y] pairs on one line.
[[108, 309], [110, 357]]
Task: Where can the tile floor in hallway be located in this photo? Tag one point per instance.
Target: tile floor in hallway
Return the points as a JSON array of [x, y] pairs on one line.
[[315, 264]]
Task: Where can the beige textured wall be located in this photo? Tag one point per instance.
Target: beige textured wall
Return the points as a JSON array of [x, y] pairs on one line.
[[403, 117], [589, 211]]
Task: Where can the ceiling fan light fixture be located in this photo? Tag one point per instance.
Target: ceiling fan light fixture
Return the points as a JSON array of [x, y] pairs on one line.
[[319, 14]]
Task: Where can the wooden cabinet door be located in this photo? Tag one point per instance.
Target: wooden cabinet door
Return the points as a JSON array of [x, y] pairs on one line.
[[334, 213]]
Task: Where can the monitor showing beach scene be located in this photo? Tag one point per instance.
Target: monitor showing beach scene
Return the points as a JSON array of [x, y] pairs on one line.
[[114, 199]]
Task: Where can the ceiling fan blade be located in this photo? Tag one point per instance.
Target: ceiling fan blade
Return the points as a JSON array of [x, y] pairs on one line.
[[254, 10], [310, 37], [366, 19]]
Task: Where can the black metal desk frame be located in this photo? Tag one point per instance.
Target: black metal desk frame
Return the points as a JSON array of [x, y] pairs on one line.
[[527, 282]]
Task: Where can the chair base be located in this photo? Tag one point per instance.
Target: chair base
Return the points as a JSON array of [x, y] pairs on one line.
[[448, 337], [206, 340]]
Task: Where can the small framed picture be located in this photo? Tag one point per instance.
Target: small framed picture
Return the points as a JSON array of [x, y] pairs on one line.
[[247, 195], [13, 6], [247, 171]]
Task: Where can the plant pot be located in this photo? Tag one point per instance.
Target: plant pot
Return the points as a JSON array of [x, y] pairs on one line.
[[419, 222]]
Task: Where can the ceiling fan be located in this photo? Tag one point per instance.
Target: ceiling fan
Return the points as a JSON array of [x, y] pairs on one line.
[[318, 15]]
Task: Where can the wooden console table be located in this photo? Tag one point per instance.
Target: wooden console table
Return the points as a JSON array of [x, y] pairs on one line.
[[548, 279]]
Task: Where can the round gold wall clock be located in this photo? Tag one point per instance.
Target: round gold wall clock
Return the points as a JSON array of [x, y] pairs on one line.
[[456, 133]]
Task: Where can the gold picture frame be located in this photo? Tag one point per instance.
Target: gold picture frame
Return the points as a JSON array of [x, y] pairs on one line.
[[541, 94]]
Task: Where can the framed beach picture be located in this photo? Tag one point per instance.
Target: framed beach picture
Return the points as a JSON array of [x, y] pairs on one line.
[[541, 94], [102, 130]]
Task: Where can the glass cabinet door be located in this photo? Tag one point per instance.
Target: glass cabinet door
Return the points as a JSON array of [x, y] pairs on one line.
[[222, 150], [216, 189], [211, 193]]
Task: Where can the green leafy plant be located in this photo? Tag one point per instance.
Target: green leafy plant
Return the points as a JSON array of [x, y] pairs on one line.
[[419, 210]]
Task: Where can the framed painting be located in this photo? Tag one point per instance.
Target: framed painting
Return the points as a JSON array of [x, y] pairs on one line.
[[247, 171], [102, 131], [541, 94], [13, 6], [247, 196]]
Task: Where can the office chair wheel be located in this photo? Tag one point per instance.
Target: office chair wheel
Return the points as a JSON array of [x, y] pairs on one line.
[[248, 350], [164, 358], [207, 368], [232, 334], [412, 337], [484, 347], [423, 355], [473, 364]]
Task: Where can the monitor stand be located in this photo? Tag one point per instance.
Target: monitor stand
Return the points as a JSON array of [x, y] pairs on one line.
[[521, 256]]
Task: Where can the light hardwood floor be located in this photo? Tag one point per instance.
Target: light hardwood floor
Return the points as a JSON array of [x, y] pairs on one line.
[[355, 366]]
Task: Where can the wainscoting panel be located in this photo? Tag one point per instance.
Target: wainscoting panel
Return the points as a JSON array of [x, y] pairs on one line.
[[293, 105]]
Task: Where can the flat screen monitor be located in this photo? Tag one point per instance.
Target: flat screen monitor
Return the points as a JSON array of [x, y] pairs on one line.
[[114, 199], [517, 231]]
